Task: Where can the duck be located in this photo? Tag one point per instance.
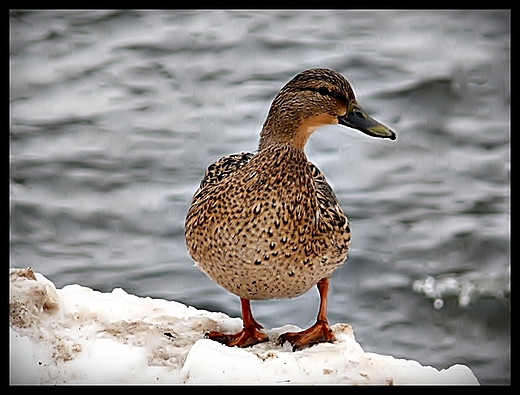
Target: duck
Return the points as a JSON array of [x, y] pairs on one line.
[[266, 224]]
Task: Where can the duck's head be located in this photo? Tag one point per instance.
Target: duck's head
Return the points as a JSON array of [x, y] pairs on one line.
[[315, 98]]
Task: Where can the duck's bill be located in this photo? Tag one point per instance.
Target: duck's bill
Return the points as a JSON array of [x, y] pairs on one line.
[[357, 118]]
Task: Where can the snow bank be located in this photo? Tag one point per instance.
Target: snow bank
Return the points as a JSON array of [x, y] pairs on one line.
[[76, 335]]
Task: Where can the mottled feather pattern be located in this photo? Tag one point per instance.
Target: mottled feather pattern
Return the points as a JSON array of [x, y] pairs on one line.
[[331, 214], [266, 225], [224, 167]]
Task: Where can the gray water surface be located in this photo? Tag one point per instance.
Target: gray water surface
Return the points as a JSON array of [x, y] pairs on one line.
[[114, 117]]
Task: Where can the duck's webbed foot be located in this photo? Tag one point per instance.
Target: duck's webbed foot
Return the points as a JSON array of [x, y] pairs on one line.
[[320, 332], [249, 336], [245, 338]]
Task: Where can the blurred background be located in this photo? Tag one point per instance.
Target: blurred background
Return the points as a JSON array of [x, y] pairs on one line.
[[114, 117]]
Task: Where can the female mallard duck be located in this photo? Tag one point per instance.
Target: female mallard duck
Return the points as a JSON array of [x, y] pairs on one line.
[[267, 224]]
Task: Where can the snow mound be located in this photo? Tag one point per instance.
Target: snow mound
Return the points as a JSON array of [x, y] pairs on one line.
[[76, 335]]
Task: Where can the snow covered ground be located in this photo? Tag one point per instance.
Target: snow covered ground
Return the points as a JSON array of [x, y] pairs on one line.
[[76, 335]]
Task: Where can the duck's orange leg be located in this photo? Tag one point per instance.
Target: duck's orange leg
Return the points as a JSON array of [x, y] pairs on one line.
[[320, 332], [248, 336]]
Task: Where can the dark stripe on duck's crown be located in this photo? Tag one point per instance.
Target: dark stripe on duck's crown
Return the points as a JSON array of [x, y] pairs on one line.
[[326, 92], [326, 75]]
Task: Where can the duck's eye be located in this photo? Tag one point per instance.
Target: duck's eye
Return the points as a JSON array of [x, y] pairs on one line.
[[323, 90]]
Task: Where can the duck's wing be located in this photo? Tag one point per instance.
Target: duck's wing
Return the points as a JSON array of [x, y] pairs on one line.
[[219, 170], [330, 216], [224, 167]]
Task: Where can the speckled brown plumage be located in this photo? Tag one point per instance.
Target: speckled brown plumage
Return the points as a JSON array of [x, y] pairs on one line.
[[267, 224], [281, 234]]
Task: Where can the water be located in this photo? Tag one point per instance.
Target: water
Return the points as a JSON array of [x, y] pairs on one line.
[[115, 116]]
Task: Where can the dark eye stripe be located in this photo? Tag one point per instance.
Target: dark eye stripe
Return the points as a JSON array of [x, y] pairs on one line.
[[325, 92]]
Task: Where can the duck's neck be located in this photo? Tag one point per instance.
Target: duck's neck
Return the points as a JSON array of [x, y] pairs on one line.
[[291, 130], [268, 138], [291, 125]]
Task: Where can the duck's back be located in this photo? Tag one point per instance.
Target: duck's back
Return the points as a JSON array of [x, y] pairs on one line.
[[266, 225]]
